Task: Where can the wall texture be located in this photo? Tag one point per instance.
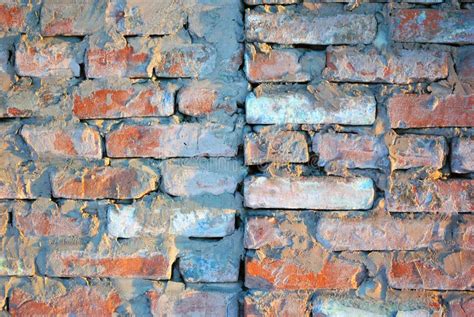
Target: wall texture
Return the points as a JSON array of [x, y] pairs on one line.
[[221, 158]]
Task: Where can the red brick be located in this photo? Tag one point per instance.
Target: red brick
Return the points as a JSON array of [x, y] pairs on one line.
[[416, 195], [461, 307], [192, 302], [12, 17], [277, 65], [175, 140], [381, 232], [279, 147], [117, 182], [307, 28], [285, 304], [465, 64], [77, 19], [107, 99], [135, 17], [462, 155], [413, 150], [131, 60], [465, 233], [416, 271], [79, 141], [345, 63], [49, 57], [433, 26], [45, 218], [282, 274], [349, 150], [132, 258], [185, 60], [424, 111], [335, 193], [77, 301]]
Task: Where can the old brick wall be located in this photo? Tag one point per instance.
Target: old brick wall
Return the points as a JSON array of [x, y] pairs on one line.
[[230, 158]]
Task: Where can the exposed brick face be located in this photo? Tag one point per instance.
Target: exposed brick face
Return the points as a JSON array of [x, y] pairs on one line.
[[236, 158]]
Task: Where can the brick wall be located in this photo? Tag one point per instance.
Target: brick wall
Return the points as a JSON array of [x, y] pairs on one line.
[[229, 158]]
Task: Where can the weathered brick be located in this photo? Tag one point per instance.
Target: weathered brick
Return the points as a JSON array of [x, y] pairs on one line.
[[462, 155], [136, 17], [185, 60], [307, 28], [79, 141], [181, 217], [309, 193], [465, 233], [277, 65], [20, 102], [263, 231], [49, 57], [121, 99], [17, 256], [423, 111], [116, 182], [13, 16], [201, 176], [461, 307], [132, 258], [417, 271], [278, 105], [257, 2], [6, 208], [44, 218], [279, 147], [433, 26], [190, 302], [77, 18], [24, 182], [465, 64], [134, 60], [412, 150], [211, 261], [380, 233], [283, 274], [174, 140], [76, 300], [262, 304], [345, 63], [349, 150], [416, 195]]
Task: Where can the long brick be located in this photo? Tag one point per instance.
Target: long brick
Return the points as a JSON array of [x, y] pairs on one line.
[[185, 60], [133, 258], [462, 155], [287, 28], [278, 65], [345, 63], [174, 140], [424, 111], [135, 17], [116, 182], [433, 26], [276, 303], [49, 57], [202, 176], [349, 150], [76, 300], [416, 195], [278, 105], [79, 141], [412, 150], [191, 302], [134, 60], [380, 233], [279, 147], [328, 192], [13, 17], [416, 271], [44, 218], [283, 274], [81, 18], [112, 99]]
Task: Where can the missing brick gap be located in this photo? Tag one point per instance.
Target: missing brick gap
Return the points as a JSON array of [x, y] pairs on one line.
[[176, 275]]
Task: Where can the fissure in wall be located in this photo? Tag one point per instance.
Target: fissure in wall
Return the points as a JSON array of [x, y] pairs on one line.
[[236, 158]]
